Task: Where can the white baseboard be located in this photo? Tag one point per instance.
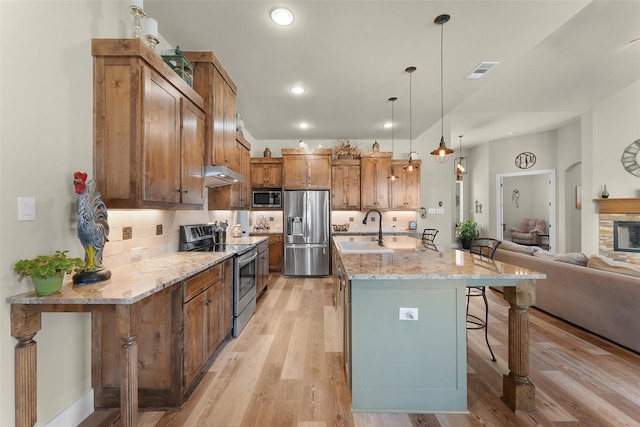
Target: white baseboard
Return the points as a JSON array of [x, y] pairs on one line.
[[74, 414]]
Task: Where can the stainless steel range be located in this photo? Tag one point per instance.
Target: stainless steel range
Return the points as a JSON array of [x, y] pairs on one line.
[[201, 238]]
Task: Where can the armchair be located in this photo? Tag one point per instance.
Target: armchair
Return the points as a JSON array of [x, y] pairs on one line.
[[529, 232]]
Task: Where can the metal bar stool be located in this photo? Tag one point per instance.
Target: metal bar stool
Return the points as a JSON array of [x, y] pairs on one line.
[[428, 237], [485, 248]]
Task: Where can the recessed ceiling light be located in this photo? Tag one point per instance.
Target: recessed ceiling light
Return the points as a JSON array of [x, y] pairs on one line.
[[297, 90], [282, 16], [303, 125], [388, 125]]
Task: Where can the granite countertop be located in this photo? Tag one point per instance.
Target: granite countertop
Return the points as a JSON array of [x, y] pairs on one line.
[[398, 232], [246, 240], [131, 283], [270, 231], [423, 263]]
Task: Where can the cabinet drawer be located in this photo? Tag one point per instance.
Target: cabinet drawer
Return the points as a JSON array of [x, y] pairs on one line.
[[201, 281]]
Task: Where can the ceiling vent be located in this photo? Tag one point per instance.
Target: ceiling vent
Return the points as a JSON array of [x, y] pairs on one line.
[[481, 70]]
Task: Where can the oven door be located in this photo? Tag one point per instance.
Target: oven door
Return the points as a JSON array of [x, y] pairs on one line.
[[245, 281]]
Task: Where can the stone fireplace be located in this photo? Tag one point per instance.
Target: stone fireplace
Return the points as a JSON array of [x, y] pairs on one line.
[[619, 227]]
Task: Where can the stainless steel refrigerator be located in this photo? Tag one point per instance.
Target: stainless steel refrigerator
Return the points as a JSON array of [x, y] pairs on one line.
[[307, 233]]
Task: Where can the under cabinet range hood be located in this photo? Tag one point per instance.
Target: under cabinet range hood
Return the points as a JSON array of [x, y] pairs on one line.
[[217, 176]]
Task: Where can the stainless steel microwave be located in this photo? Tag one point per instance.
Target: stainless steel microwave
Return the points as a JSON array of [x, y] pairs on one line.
[[267, 198]]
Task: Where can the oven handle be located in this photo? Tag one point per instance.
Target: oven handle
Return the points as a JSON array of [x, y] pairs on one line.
[[246, 259]]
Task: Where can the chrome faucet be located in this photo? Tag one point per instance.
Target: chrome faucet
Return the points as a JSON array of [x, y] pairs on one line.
[[364, 221]]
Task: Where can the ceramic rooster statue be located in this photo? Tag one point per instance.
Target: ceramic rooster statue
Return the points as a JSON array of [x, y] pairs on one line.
[[93, 230]]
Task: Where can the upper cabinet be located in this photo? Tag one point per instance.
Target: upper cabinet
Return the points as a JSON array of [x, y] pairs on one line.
[[374, 182], [218, 91], [345, 185], [266, 172], [148, 130], [405, 191], [306, 168], [236, 196]]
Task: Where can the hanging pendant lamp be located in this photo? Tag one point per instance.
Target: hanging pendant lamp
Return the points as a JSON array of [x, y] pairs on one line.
[[441, 154], [393, 176], [410, 166], [460, 165]]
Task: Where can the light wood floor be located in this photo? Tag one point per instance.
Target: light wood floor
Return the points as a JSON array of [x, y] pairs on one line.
[[285, 370]]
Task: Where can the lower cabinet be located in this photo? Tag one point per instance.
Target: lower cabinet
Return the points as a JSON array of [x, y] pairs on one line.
[[262, 267], [276, 252], [181, 327]]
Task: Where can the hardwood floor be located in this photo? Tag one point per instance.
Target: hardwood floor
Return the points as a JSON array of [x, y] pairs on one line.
[[286, 370]]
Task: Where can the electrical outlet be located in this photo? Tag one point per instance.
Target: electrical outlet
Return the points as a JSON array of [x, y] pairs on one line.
[[408, 313], [351, 219], [271, 218], [395, 218], [159, 230], [127, 233], [136, 252]]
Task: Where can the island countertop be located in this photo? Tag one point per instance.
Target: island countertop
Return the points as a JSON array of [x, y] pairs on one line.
[[131, 283], [424, 263]]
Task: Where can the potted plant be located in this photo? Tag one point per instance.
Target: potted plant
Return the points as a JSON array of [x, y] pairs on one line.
[[346, 151], [47, 271], [467, 231]]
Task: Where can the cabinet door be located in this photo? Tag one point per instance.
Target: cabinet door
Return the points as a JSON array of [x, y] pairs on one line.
[[266, 175], [294, 172], [405, 191], [233, 155], [214, 317], [374, 183], [318, 172], [161, 141], [192, 153], [194, 336], [276, 253], [345, 187], [245, 170], [218, 132]]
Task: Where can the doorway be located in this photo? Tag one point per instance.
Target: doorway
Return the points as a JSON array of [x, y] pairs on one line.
[[527, 194]]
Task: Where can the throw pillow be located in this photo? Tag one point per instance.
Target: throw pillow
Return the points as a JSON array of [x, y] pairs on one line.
[[514, 247], [607, 264], [575, 258]]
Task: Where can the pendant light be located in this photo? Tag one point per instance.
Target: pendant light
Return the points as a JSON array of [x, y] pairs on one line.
[[460, 166], [410, 167], [393, 176], [441, 154]]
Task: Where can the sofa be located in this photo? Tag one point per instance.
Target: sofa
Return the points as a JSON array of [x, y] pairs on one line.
[[585, 291], [529, 232]]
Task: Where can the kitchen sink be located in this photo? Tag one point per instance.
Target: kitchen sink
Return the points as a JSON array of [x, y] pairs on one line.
[[391, 244]]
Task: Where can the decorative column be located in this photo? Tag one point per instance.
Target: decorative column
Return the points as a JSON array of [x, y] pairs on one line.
[[517, 390], [127, 322], [24, 326]]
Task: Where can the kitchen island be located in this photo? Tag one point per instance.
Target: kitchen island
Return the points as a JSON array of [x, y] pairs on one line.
[[132, 295], [405, 324]]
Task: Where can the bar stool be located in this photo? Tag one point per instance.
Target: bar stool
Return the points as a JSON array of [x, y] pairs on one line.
[[428, 237], [485, 248]]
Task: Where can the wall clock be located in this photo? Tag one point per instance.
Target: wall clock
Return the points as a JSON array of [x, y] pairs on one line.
[[525, 160], [630, 158]]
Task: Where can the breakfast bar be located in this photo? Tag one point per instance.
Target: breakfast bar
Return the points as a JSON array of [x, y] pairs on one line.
[[405, 311]]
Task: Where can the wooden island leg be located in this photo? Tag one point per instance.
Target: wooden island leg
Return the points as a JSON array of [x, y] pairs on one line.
[[24, 326], [127, 321], [517, 390]]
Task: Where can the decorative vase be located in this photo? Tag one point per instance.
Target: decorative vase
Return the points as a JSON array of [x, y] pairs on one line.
[[605, 193], [47, 285], [267, 152]]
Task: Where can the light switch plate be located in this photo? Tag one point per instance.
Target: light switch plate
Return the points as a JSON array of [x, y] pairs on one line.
[[26, 208]]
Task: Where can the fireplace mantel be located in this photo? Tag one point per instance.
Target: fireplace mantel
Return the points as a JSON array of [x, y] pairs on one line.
[[619, 206]]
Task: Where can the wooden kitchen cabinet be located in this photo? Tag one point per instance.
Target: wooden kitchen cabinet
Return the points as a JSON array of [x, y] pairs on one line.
[[405, 191], [266, 172], [306, 169], [218, 91], [235, 196], [276, 251], [345, 185], [180, 329], [262, 268], [374, 182], [148, 130]]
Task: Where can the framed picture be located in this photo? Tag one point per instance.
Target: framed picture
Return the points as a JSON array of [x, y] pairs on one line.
[[578, 196]]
